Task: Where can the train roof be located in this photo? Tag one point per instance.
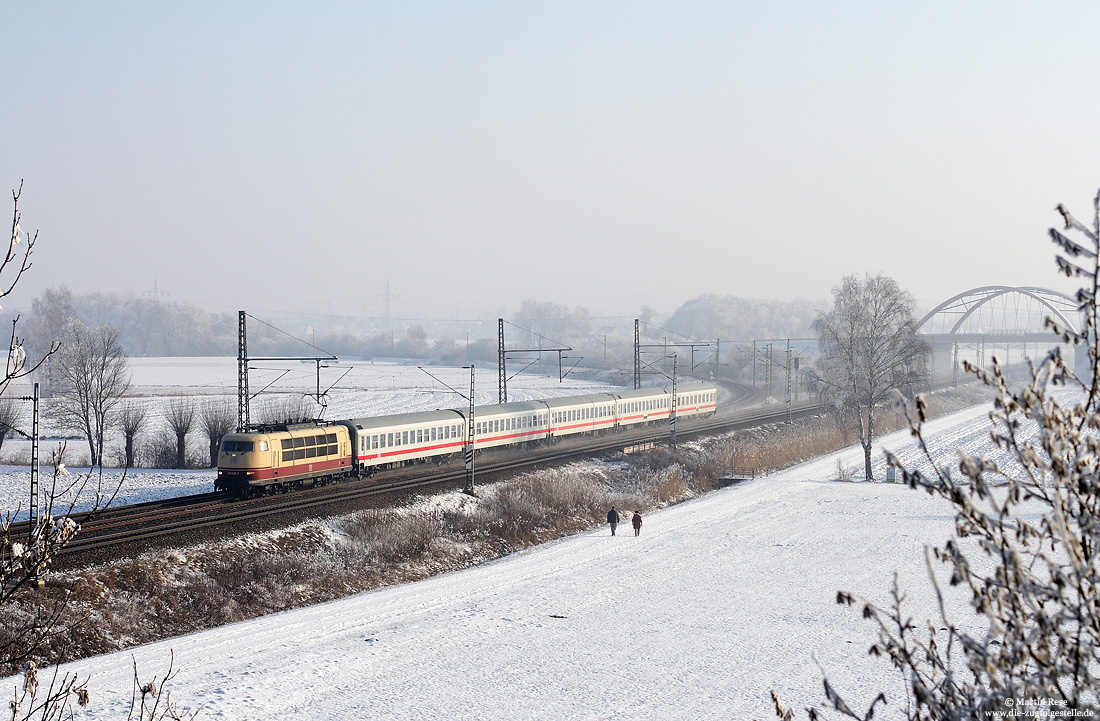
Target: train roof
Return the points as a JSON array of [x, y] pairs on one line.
[[508, 408], [403, 419], [682, 386], [571, 401], [652, 392]]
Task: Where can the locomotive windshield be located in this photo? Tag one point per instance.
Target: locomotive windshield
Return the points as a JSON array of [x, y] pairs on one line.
[[237, 446]]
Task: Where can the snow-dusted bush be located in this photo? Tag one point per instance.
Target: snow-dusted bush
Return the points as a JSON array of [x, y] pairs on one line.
[[1026, 549], [30, 620], [382, 536]]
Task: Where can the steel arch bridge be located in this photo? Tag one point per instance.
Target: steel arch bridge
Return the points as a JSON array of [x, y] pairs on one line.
[[1000, 314], [997, 316]]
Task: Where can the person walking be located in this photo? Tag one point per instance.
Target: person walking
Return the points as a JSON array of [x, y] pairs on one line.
[[636, 521], [613, 519]]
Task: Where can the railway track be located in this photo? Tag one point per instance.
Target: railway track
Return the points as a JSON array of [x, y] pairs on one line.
[[133, 529]]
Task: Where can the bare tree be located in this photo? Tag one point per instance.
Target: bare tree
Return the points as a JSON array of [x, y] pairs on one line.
[[869, 348], [180, 415], [132, 419], [217, 417], [92, 379], [49, 319]]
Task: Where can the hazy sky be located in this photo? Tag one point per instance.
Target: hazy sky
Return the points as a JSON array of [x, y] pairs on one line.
[[270, 156]]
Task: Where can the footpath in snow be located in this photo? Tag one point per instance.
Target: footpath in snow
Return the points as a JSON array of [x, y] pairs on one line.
[[720, 600]]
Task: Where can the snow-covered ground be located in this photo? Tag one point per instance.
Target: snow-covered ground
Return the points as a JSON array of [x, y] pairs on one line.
[[720, 600], [355, 389]]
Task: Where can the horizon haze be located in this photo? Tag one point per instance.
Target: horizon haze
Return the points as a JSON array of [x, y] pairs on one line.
[[283, 158]]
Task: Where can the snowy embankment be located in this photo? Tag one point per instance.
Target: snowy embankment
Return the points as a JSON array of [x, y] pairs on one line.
[[720, 600]]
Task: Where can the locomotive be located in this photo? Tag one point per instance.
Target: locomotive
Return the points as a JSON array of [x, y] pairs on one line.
[[281, 458]]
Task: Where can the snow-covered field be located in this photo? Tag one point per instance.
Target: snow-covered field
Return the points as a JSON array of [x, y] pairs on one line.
[[720, 600], [355, 389]]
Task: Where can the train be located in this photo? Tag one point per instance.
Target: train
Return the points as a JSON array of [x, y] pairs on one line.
[[281, 458]]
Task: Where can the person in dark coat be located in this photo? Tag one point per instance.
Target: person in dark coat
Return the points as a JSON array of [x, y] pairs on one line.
[[613, 519], [636, 521]]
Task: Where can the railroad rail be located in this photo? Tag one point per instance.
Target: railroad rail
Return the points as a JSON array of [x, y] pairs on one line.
[[134, 528]]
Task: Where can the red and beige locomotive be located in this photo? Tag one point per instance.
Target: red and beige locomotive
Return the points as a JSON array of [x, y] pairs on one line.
[[287, 457]]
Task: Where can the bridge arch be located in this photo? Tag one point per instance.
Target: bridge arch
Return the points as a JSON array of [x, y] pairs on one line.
[[1000, 310]]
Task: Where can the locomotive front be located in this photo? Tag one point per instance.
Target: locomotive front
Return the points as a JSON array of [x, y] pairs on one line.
[[243, 459]]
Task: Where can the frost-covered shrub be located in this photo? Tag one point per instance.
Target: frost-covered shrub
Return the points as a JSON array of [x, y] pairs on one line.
[[1026, 549], [385, 536]]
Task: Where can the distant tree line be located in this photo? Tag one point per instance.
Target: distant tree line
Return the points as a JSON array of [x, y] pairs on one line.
[[155, 327]]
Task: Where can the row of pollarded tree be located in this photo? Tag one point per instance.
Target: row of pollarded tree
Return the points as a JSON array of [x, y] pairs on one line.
[[213, 417], [181, 417], [87, 380]]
